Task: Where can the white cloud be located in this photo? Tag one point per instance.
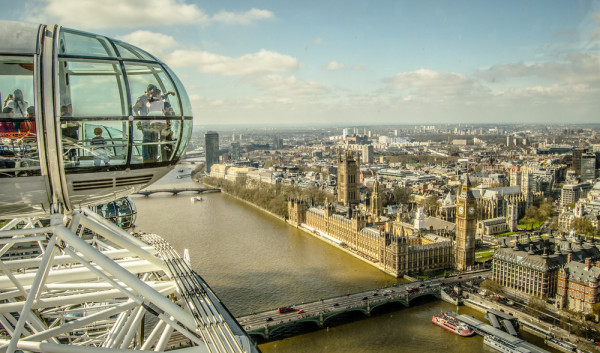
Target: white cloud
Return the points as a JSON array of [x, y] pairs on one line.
[[576, 68], [435, 85], [245, 18], [94, 14], [291, 87], [334, 66], [264, 61], [155, 43]]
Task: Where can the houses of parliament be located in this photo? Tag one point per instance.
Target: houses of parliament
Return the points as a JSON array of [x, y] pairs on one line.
[[395, 247]]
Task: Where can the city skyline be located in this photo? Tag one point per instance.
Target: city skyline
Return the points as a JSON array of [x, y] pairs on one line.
[[354, 63]]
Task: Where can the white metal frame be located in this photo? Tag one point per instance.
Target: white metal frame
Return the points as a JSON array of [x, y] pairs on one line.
[[90, 287]]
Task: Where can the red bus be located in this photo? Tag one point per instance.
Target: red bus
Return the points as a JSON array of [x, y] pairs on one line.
[[285, 309]]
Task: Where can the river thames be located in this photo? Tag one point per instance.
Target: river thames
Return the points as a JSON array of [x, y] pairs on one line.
[[255, 262]]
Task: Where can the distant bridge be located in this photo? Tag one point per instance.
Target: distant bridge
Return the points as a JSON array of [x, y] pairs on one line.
[[271, 325], [175, 191]]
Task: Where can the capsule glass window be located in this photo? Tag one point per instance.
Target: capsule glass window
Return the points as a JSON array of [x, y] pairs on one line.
[[91, 88], [18, 133], [187, 133], [127, 51], [149, 84], [183, 97], [74, 43], [93, 113]]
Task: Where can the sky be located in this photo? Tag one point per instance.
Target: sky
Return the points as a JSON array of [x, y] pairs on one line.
[[361, 62]]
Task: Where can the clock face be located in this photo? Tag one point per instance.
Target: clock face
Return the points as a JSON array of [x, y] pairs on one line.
[[461, 210], [471, 210]]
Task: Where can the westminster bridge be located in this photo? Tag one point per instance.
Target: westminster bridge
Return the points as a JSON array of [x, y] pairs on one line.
[[271, 325], [176, 191]]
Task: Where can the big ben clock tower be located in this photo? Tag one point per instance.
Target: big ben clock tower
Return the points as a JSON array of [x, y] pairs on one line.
[[465, 227]]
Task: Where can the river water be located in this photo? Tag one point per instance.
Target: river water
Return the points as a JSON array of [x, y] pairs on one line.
[[255, 262]]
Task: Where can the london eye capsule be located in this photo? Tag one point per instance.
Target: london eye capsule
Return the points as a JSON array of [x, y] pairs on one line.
[[85, 119], [121, 212]]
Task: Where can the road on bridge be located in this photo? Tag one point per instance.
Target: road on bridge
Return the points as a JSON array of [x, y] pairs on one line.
[[374, 296]]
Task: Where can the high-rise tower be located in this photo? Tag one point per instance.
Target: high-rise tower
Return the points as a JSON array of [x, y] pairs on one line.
[[235, 151], [211, 149], [348, 179], [465, 227], [367, 154]]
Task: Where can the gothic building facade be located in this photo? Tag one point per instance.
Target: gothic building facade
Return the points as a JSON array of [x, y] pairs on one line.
[[386, 245]]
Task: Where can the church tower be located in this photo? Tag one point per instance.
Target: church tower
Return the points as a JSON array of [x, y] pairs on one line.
[[419, 222], [512, 216], [465, 227], [348, 179]]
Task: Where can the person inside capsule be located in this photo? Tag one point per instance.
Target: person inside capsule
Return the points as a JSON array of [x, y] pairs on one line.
[[153, 103], [19, 106], [70, 133]]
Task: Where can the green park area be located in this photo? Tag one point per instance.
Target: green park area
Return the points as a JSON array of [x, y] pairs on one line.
[[505, 234], [529, 225], [484, 255]]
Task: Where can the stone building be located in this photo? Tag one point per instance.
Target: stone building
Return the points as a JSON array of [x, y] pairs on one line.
[[386, 245], [530, 268], [584, 208], [492, 226], [578, 286], [495, 202], [218, 171], [447, 210]]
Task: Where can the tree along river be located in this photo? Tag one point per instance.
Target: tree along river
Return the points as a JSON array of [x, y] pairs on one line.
[[255, 262]]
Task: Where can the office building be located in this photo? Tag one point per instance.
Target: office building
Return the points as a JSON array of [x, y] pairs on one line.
[[588, 166], [577, 153], [235, 151], [211, 149], [367, 154]]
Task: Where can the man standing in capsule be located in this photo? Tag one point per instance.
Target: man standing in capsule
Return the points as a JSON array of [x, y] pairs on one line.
[[152, 104]]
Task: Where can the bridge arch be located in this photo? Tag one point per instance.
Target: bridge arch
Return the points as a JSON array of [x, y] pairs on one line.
[[287, 329], [383, 306], [344, 316], [423, 295]]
